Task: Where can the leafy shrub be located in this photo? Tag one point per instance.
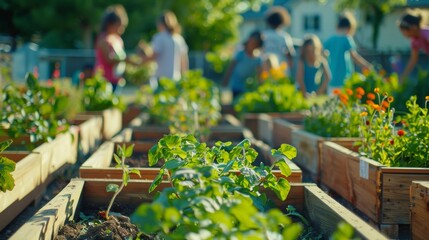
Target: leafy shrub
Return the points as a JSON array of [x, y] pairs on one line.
[[34, 110], [98, 95]]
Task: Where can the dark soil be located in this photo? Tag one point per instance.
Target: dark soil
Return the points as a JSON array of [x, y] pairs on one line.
[[138, 160], [116, 228]]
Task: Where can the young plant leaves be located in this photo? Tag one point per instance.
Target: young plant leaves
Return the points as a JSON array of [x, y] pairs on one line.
[[112, 187]]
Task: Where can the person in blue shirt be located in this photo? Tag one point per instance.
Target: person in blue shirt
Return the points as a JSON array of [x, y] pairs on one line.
[[342, 52], [246, 63], [313, 73]]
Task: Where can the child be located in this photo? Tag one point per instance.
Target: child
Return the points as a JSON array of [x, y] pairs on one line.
[[312, 66], [110, 55], [410, 26], [246, 63], [342, 52], [277, 41]]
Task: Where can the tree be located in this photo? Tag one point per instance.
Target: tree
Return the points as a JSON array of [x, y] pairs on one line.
[[375, 9]]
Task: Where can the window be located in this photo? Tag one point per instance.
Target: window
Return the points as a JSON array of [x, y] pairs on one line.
[[312, 23]]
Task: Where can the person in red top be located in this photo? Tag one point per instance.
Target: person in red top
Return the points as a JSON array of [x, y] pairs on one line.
[[411, 27], [110, 56]]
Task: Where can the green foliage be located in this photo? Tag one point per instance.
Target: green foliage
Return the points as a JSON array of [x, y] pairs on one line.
[[33, 110], [410, 88], [396, 146], [139, 74], [272, 96], [215, 192], [190, 105], [120, 156], [98, 95], [6, 167], [336, 117]]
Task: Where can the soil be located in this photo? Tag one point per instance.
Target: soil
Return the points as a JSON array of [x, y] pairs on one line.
[[138, 160], [116, 228]]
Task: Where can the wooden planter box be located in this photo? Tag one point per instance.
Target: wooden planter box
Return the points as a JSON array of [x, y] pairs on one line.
[[419, 209], [282, 131], [98, 165], [309, 150], [112, 121], [89, 134], [229, 129], [130, 113], [380, 192], [322, 211], [28, 185], [261, 124]]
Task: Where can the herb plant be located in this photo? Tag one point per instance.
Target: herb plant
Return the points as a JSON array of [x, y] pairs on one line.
[[123, 152], [34, 110], [215, 192], [6, 167], [338, 116], [400, 142], [98, 95]]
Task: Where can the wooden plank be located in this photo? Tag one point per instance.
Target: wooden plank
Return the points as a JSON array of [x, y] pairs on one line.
[[102, 157], [27, 176], [250, 121], [125, 135], [48, 220], [395, 196], [112, 122], [90, 135], [340, 172], [308, 153], [419, 195], [130, 113], [282, 132], [266, 124], [326, 213]]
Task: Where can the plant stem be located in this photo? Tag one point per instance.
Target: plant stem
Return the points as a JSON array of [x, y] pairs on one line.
[[119, 189]]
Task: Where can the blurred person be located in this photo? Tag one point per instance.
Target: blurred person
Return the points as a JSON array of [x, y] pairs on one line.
[[276, 40], [169, 49], [342, 52], [110, 56], [411, 27], [246, 63], [313, 73]]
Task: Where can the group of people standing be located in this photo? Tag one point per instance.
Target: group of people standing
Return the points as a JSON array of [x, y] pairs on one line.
[[320, 68], [170, 51]]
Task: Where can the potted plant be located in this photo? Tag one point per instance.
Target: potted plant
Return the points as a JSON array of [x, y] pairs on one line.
[[392, 153]]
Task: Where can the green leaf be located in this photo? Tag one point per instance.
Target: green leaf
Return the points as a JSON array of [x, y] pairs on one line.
[[174, 163], [5, 144], [61, 104], [283, 188], [157, 180], [32, 81], [288, 150], [129, 151], [125, 178], [172, 141], [148, 217], [135, 171], [228, 166], [153, 155], [292, 231], [284, 168], [117, 159], [112, 187], [6, 179]]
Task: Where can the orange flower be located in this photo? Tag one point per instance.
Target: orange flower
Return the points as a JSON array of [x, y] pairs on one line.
[[264, 75], [344, 98], [401, 132], [382, 72], [385, 104], [360, 91], [371, 96], [376, 107], [376, 90], [336, 91], [358, 96], [427, 98], [390, 99], [349, 91], [369, 102], [366, 72], [364, 114]]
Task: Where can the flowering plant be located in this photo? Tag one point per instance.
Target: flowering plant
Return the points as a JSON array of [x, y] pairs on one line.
[[402, 142], [338, 116]]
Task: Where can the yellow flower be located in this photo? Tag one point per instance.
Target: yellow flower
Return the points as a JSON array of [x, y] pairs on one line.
[[283, 66], [264, 75], [377, 90], [364, 114], [366, 72], [427, 98], [390, 99]]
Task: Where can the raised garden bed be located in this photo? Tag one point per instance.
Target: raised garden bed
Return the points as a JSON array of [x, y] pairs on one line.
[[89, 134], [261, 124], [112, 121], [380, 192], [282, 131], [99, 164], [323, 212], [419, 209], [130, 113], [28, 185], [309, 154]]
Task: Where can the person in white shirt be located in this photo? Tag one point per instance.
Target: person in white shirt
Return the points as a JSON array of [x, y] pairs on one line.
[[277, 42], [170, 50]]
